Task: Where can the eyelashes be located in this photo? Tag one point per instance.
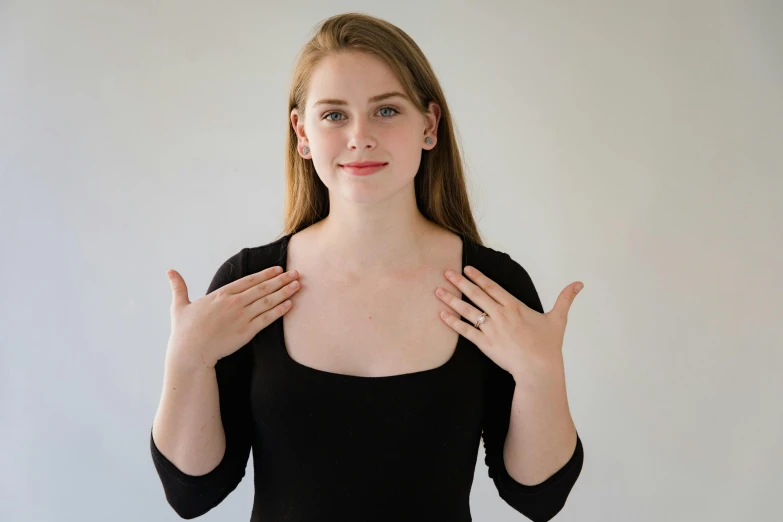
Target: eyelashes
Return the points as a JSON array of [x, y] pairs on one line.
[[326, 116]]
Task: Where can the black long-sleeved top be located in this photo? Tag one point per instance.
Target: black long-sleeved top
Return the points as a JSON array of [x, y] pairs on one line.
[[333, 447]]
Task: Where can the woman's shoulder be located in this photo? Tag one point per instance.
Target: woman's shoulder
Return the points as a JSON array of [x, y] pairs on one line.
[[252, 259]]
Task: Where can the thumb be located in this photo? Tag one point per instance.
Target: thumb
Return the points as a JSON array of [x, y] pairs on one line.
[[178, 288], [566, 298]]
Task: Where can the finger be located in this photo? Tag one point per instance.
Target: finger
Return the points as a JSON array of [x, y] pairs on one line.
[[493, 289], [566, 299], [179, 289], [478, 294], [251, 280], [266, 291], [272, 302], [264, 319], [472, 334], [461, 307]]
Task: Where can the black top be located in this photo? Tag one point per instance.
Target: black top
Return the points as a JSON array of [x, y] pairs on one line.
[[334, 447]]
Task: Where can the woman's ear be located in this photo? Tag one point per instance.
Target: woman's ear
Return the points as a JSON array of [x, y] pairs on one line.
[[432, 118], [298, 126]]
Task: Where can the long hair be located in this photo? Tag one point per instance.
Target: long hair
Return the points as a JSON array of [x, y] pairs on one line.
[[441, 195]]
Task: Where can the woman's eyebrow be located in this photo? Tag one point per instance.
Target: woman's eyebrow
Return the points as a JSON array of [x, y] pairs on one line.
[[377, 98]]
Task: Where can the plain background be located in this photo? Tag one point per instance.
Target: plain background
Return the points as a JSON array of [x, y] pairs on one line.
[[635, 146]]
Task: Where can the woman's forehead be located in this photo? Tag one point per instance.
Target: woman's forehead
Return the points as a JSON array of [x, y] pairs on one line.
[[354, 82]]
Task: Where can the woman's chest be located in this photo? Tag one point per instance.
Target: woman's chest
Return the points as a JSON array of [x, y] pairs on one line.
[[370, 330]]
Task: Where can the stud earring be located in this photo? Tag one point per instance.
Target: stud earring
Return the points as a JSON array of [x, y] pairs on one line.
[[428, 140], [305, 150]]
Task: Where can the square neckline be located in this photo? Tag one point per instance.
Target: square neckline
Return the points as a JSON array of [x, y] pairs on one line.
[[280, 330]]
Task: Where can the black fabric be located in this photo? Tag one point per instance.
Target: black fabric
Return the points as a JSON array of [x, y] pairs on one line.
[[332, 447]]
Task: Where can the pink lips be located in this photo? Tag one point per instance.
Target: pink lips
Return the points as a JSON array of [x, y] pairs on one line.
[[363, 163], [363, 168]]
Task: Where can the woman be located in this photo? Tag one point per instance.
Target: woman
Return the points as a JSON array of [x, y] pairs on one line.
[[368, 402]]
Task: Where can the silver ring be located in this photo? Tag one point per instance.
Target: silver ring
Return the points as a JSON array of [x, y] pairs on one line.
[[480, 320]]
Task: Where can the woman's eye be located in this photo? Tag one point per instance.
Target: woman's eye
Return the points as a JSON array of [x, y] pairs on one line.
[[388, 109]]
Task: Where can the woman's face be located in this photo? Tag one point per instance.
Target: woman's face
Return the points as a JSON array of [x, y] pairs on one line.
[[345, 122]]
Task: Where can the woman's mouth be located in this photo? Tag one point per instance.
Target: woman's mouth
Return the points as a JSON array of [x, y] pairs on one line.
[[363, 171]]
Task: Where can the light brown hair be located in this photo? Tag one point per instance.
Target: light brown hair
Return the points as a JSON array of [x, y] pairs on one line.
[[441, 195]]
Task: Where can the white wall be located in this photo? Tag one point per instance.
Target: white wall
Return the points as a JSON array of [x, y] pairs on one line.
[[635, 146]]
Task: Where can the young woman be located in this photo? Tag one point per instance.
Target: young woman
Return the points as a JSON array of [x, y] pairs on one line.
[[362, 390]]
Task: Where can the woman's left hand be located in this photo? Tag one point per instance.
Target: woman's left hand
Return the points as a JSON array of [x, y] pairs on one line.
[[522, 341]]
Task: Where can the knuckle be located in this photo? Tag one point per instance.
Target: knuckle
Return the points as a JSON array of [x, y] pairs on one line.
[[263, 288]]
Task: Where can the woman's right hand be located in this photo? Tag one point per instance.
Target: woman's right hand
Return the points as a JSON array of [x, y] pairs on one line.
[[221, 322]]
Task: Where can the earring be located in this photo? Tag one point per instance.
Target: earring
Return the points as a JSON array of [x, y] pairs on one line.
[[428, 140], [305, 150]]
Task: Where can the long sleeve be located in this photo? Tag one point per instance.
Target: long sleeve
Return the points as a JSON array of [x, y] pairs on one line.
[[191, 496], [540, 502]]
